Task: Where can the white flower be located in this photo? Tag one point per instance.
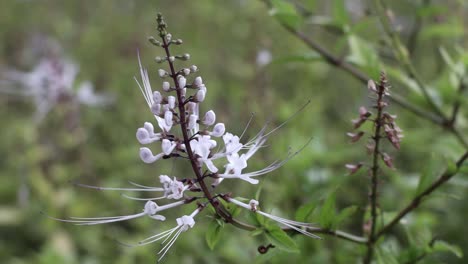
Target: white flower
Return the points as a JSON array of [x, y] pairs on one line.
[[184, 223], [157, 97], [151, 209], [300, 227], [148, 94], [201, 147], [168, 146], [232, 143]]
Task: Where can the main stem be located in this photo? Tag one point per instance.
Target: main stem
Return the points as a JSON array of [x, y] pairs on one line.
[[374, 171], [193, 160]]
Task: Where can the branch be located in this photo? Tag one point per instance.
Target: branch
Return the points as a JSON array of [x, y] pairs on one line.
[[402, 55], [447, 175], [378, 123], [457, 103], [359, 75]]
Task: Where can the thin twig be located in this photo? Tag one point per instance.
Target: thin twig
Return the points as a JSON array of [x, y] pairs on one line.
[[361, 76], [447, 175], [402, 55], [456, 105], [378, 123]]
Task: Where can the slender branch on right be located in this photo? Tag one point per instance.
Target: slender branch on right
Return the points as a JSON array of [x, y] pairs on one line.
[[447, 175]]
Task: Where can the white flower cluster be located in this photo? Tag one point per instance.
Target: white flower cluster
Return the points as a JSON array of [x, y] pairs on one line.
[[51, 81], [184, 133]]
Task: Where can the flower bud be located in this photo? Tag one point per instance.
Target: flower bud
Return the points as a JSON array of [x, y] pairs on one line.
[[191, 107], [171, 101], [168, 37], [156, 109], [353, 168], [371, 86], [218, 130], [171, 58], [153, 41], [193, 68], [186, 56], [166, 86], [186, 71], [192, 121], [200, 96], [210, 118], [183, 92], [167, 146], [142, 135], [157, 97], [182, 82], [147, 156], [198, 81], [168, 118], [158, 59], [162, 73]]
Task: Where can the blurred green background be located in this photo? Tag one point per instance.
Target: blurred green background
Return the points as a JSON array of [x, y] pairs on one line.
[[231, 43]]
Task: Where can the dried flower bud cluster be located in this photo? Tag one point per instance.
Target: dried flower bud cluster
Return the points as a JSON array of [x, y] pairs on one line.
[[185, 131], [384, 125]]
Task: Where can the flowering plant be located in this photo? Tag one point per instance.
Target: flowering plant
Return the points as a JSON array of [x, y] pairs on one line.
[[177, 106]]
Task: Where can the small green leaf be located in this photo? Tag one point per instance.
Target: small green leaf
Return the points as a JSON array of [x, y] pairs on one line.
[[280, 239], [328, 212], [257, 232], [213, 234], [340, 15], [344, 214], [362, 53], [430, 171], [442, 246], [286, 13], [305, 211]]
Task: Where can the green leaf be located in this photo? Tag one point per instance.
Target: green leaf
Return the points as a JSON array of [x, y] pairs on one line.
[[430, 172], [328, 212], [280, 239], [362, 53], [451, 29], [305, 211], [213, 234], [344, 214], [257, 232], [286, 13], [385, 256], [340, 15], [442, 246]]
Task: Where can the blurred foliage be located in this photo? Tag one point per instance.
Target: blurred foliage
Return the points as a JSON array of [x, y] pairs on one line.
[[224, 40]]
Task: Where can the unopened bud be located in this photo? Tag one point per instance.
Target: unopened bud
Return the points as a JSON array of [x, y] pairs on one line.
[[193, 68], [200, 96], [218, 130], [166, 86], [171, 101], [210, 118], [182, 82], [153, 41], [198, 81], [162, 73], [157, 97], [192, 121]]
